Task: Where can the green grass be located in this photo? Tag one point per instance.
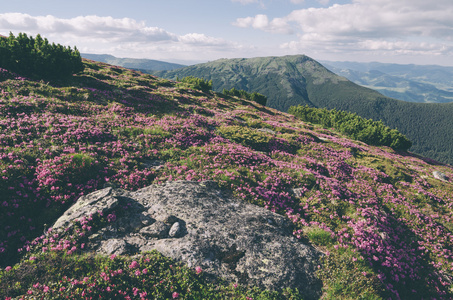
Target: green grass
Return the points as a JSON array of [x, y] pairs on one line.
[[60, 276]]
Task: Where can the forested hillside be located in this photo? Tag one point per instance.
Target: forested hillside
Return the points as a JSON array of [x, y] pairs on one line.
[[299, 80]]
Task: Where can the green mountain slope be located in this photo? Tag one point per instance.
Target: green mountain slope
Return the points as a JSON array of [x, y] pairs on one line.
[[300, 80], [133, 63], [282, 79], [383, 219]]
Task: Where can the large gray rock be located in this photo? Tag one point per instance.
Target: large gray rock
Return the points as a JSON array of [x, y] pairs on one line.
[[202, 225]]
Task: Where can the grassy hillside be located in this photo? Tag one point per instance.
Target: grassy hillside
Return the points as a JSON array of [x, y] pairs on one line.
[[299, 80], [381, 218]]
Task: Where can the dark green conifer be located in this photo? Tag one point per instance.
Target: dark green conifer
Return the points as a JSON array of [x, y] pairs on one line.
[[36, 57]]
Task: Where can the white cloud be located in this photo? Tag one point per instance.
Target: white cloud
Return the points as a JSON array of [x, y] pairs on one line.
[[105, 28], [122, 36], [379, 26], [201, 39], [277, 25], [376, 19]]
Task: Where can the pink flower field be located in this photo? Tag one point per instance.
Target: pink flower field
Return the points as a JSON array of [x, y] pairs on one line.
[[384, 223]]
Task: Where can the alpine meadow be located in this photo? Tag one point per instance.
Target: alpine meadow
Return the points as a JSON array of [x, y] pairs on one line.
[[377, 217]]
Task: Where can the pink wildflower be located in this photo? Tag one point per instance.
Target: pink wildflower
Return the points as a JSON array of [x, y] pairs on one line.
[[111, 217], [134, 265], [198, 270], [175, 295]]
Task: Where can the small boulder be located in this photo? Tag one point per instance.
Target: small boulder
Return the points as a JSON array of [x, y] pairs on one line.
[[441, 176], [174, 230], [156, 230], [114, 246]]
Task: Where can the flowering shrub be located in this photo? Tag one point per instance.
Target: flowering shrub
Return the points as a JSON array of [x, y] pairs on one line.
[[149, 276], [381, 218], [68, 177]]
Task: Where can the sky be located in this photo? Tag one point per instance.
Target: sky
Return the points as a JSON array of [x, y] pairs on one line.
[[188, 32]]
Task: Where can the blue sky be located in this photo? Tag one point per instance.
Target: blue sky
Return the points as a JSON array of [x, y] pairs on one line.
[[397, 31]]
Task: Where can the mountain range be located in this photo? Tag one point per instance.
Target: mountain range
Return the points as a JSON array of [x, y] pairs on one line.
[[300, 80], [414, 83], [133, 63]]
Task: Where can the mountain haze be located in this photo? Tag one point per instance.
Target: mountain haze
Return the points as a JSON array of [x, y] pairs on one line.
[[439, 76], [133, 63], [413, 83], [300, 80]]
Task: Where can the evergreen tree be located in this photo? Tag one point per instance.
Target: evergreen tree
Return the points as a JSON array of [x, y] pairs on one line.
[[36, 57], [257, 97], [354, 126]]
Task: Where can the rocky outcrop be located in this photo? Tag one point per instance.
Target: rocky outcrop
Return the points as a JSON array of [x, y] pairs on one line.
[[202, 225], [441, 176]]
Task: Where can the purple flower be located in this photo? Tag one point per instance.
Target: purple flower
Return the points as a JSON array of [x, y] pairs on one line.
[[111, 217], [198, 269], [134, 265]]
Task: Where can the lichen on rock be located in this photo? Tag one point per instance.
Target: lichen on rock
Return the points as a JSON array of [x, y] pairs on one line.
[[202, 225]]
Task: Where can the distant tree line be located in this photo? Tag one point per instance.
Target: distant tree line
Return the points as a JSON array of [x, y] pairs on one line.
[[365, 130], [257, 97], [36, 57], [206, 85], [196, 83]]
